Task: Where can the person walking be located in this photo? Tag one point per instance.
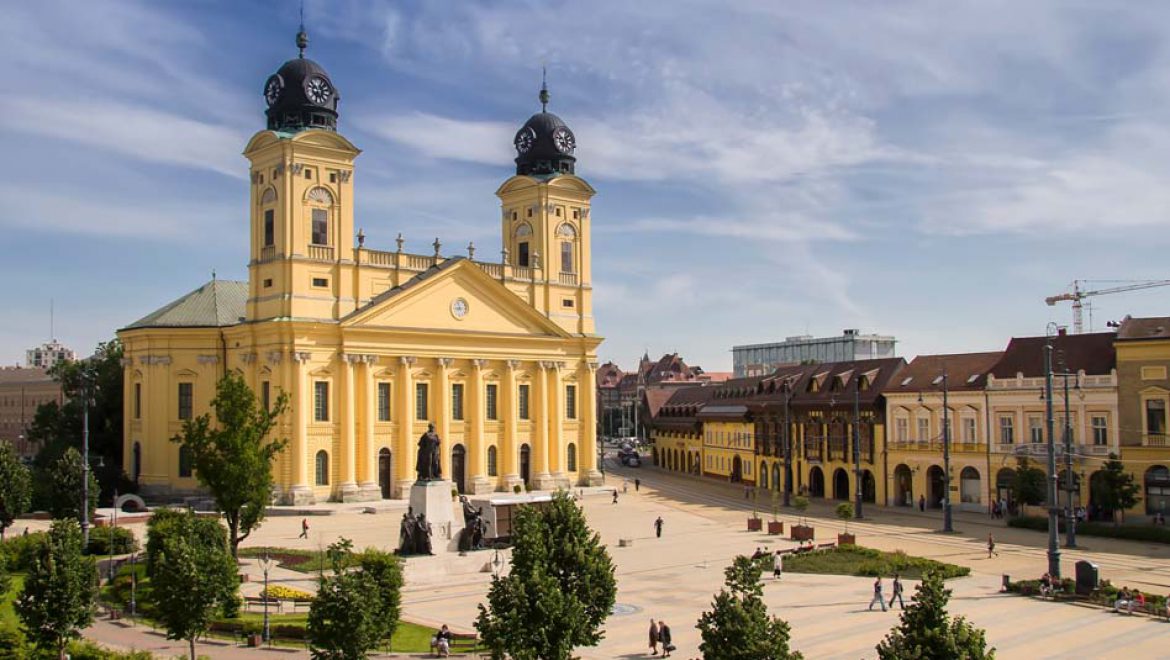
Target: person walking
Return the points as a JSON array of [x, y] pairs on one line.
[[991, 546], [658, 527], [304, 528], [896, 592], [637, 484], [922, 503], [664, 638], [615, 496], [778, 565], [625, 486], [877, 595], [653, 637]]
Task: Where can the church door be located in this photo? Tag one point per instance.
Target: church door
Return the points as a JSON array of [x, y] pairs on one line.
[[525, 463], [384, 472], [459, 467]]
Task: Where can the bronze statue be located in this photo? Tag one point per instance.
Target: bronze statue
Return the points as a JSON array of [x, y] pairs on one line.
[[422, 536], [406, 536], [427, 464], [474, 527]]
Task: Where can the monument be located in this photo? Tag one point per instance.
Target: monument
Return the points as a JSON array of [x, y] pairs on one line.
[[430, 525]]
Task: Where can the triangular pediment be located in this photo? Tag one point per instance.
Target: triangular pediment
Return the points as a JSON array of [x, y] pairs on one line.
[[456, 296]]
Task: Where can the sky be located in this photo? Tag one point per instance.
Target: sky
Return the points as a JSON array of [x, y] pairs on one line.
[[764, 169]]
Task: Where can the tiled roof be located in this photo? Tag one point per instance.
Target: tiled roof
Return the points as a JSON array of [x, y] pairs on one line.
[[1154, 327], [1092, 353], [215, 304], [608, 375], [965, 371]]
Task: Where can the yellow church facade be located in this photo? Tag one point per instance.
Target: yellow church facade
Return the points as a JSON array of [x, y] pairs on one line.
[[371, 346]]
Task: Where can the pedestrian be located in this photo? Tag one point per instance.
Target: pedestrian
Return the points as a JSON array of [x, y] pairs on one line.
[[637, 485], [25, 532], [615, 496], [896, 592], [778, 565], [664, 638], [625, 486], [658, 526], [304, 528], [442, 642], [991, 546], [877, 595], [922, 503], [653, 637]]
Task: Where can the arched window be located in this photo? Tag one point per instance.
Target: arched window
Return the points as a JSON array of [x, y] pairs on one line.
[[523, 234], [571, 458], [492, 462], [320, 200], [322, 468], [184, 461]]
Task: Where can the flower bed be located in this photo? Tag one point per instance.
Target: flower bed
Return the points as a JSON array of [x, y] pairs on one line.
[[281, 592], [856, 560]]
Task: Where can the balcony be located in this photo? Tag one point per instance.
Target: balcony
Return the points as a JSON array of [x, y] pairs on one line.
[[321, 252], [522, 273], [379, 258], [268, 253], [568, 279], [418, 262], [1094, 450], [493, 270], [1155, 440]]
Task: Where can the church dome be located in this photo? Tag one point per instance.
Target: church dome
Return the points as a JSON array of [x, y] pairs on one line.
[[544, 144], [300, 94]]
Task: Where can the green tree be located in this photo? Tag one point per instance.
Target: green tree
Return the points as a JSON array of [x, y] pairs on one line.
[[927, 632], [233, 459], [559, 591], [194, 579], [1030, 485], [15, 487], [57, 600], [344, 619], [1114, 489], [382, 572], [738, 626], [845, 512], [63, 488]]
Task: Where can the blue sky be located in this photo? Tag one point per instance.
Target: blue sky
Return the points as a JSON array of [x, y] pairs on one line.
[[927, 170]]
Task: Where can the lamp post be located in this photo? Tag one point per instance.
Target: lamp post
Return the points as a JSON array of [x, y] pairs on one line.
[[1071, 539], [857, 495], [1053, 506], [133, 585], [787, 444], [265, 564], [948, 521], [87, 386]]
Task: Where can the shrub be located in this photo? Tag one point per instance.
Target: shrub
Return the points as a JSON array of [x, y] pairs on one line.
[[19, 551], [516, 489], [858, 560], [1145, 533], [111, 541]]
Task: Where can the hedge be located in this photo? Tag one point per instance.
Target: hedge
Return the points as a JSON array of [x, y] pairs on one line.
[[1146, 533], [856, 560], [20, 551], [111, 541]]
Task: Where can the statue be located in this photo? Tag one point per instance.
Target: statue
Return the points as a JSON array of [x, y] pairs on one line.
[[427, 464], [406, 540], [422, 534], [474, 527]]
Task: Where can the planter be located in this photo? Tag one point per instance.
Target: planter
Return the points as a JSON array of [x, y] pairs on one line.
[[255, 640], [846, 539], [243, 577], [755, 524], [775, 527], [801, 533]]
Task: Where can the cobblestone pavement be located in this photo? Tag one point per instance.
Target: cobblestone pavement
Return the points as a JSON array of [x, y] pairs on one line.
[[674, 578]]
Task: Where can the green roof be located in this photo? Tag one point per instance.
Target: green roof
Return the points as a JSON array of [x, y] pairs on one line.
[[215, 304]]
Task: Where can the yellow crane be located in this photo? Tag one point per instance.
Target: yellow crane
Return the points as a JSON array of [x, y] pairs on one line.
[[1078, 294]]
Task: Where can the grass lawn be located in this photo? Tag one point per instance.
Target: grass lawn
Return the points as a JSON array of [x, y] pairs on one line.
[[408, 637], [856, 560], [302, 561], [7, 611]]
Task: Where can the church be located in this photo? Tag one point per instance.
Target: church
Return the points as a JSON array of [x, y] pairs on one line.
[[372, 346]]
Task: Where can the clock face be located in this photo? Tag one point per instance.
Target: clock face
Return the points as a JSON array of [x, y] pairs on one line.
[[273, 88], [459, 308], [565, 141], [524, 139], [318, 90]]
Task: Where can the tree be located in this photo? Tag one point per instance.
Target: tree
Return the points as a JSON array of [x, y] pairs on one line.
[[15, 487], [845, 512], [346, 618], [1030, 485], [559, 591], [233, 460], [63, 487], [1114, 489], [927, 632], [738, 626], [59, 589], [194, 579]]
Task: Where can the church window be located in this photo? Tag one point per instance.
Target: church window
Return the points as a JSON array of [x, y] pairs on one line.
[[320, 227], [269, 227], [570, 401], [522, 255], [268, 196], [333, 177], [492, 396], [266, 395], [566, 257], [383, 402], [523, 402], [457, 401], [322, 468], [576, 214], [268, 283], [184, 461], [571, 457], [185, 396], [492, 462], [567, 302], [137, 400], [321, 281], [321, 401], [420, 401], [308, 173]]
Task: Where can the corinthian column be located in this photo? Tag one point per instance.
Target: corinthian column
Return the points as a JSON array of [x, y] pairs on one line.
[[404, 448], [478, 481], [587, 436]]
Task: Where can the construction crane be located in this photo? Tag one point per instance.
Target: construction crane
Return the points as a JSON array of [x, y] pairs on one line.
[[1078, 294]]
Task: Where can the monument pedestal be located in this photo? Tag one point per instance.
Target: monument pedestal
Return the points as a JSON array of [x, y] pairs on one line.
[[433, 499], [300, 495]]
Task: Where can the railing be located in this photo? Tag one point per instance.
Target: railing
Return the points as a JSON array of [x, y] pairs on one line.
[[1006, 448], [417, 262], [813, 449], [1095, 450], [1155, 440], [568, 279], [321, 252], [494, 270], [521, 272], [380, 258], [268, 252]]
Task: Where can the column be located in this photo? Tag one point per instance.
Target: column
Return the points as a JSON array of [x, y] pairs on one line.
[[587, 474], [478, 481], [347, 445], [442, 408], [404, 449], [509, 452], [302, 404], [541, 477], [556, 428], [369, 449]]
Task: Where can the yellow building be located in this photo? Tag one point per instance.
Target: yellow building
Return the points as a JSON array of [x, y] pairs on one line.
[[1143, 382], [371, 345], [729, 444]]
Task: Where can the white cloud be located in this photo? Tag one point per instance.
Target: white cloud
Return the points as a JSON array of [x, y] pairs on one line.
[[442, 137]]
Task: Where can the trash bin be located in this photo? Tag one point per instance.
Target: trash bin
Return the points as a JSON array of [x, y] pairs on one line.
[[1088, 577]]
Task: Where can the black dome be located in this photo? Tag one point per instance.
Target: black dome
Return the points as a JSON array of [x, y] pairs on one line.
[[300, 95], [545, 145]]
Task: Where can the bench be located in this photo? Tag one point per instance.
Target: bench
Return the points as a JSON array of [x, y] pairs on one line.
[[259, 600], [460, 643], [307, 604], [827, 546]]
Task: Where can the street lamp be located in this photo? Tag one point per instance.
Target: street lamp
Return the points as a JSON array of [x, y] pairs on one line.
[[87, 388], [265, 564], [787, 387], [1053, 507], [133, 585], [948, 522], [1065, 374]]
